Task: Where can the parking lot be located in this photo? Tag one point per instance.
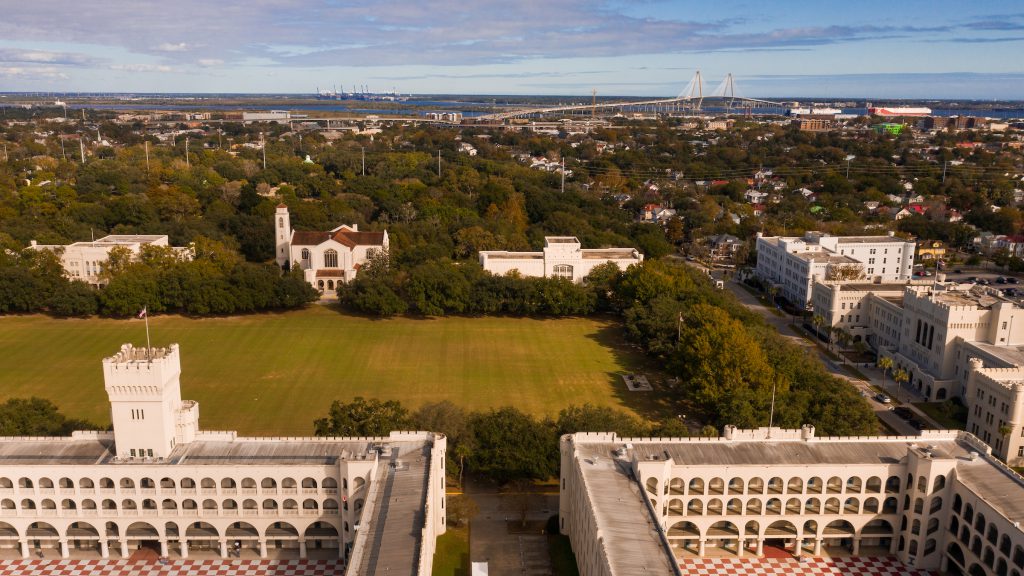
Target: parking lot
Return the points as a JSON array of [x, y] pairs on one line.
[[1010, 285]]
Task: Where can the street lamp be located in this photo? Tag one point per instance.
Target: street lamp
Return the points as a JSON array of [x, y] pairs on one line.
[[848, 159]]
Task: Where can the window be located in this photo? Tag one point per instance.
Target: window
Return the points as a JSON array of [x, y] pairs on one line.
[[562, 271], [149, 452], [133, 452], [331, 259], [305, 253]]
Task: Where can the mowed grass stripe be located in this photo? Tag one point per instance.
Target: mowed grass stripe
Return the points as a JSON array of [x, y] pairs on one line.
[[274, 374]]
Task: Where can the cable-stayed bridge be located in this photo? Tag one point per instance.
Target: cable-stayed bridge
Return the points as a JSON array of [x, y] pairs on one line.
[[691, 100]]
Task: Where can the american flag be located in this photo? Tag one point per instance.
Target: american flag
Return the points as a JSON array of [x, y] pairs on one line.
[[141, 314]]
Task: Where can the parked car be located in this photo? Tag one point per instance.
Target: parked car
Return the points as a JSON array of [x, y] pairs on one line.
[[983, 282], [958, 271], [1001, 280], [971, 279], [1011, 280], [904, 412], [882, 398]]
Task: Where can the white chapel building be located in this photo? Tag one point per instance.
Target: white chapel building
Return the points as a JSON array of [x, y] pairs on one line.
[[562, 257], [327, 259], [159, 481]]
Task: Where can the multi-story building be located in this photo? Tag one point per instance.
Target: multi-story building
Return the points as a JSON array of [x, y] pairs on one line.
[[327, 259], [86, 261], [157, 480], [562, 257], [952, 340], [938, 501], [792, 264]]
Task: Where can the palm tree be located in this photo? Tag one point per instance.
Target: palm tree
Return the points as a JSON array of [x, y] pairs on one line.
[[817, 320], [900, 376], [842, 338], [885, 363]]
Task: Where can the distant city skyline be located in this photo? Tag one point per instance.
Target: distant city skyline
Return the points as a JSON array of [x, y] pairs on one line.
[[823, 49]]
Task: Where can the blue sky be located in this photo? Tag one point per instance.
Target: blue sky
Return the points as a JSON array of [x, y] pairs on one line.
[[824, 48]]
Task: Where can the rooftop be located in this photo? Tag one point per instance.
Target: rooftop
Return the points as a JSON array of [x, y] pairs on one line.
[[630, 536], [97, 448]]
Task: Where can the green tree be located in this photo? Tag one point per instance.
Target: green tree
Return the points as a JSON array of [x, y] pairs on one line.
[[509, 444], [590, 418], [36, 417], [362, 417]]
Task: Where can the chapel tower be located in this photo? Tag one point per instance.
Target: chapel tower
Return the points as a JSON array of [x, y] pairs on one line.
[[282, 234]]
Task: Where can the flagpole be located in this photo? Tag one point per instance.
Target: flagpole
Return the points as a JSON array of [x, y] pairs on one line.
[[149, 349]]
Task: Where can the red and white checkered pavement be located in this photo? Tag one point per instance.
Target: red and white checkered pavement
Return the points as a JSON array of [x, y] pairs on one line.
[[854, 566], [173, 568]]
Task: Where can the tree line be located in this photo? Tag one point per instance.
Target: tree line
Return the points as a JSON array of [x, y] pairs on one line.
[[214, 280], [501, 445]]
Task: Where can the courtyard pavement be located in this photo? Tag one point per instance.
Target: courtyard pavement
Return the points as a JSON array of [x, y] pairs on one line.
[[850, 566], [35, 567]]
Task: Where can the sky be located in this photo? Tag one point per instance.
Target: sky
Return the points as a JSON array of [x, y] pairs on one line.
[[825, 48]]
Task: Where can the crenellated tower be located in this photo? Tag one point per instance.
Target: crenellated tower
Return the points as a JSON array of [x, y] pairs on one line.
[[144, 389]]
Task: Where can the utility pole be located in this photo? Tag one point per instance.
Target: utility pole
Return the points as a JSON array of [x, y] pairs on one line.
[[146, 143], [81, 148], [220, 132], [62, 154], [263, 145], [944, 162], [362, 150], [563, 175], [187, 165]]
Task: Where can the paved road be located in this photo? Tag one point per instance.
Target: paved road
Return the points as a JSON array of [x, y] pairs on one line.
[[783, 325]]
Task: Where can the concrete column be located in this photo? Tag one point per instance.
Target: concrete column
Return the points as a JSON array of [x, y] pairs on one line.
[[64, 549], [124, 548], [817, 546], [894, 543], [760, 546], [223, 548], [302, 549], [856, 546], [263, 548], [740, 545], [341, 550], [184, 547], [24, 548], [701, 547], [163, 547], [104, 549]]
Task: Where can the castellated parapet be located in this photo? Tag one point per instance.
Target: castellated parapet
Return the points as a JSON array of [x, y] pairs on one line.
[[149, 417]]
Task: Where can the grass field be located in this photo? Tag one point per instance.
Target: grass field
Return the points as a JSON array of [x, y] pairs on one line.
[[273, 374]]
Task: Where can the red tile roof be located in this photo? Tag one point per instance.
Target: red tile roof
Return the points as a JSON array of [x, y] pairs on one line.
[[309, 238]]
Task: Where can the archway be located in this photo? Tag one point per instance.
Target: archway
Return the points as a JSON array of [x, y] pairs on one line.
[[43, 538], [243, 540], [780, 538], [9, 537], [877, 533], [839, 534], [684, 536], [83, 536], [724, 535], [322, 541], [284, 538], [202, 536], [143, 540]]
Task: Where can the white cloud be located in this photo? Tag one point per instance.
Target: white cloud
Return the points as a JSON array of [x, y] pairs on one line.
[[210, 62], [143, 68], [169, 47]]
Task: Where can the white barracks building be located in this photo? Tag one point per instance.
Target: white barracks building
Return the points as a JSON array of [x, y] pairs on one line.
[[562, 258], [938, 501], [793, 263], [159, 481]]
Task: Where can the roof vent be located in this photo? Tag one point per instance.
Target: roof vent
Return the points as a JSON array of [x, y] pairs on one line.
[[974, 455]]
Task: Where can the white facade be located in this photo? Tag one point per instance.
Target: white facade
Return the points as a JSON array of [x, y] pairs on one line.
[[562, 257], [793, 263], [937, 501], [953, 341], [85, 261], [200, 492], [327, 259]]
